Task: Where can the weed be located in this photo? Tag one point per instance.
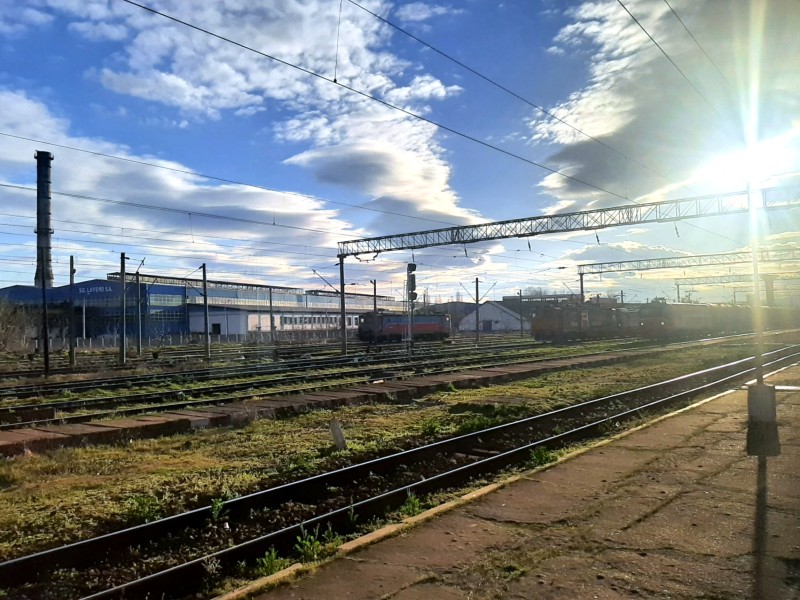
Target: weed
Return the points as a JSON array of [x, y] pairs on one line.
[[213, 569], [7, 479], [430, 427], [451, 387], [217, 509], [352, 516], [270, 563], [514, 571], [475, 423], [541, 456], [142, 509], [212, 566], [412, 506], [308, 546], [330, 537]]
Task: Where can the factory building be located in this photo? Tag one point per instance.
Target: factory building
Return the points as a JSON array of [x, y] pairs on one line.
[[163, 307]]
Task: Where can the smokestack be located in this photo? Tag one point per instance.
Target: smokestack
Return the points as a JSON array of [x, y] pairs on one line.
[[44, 259]]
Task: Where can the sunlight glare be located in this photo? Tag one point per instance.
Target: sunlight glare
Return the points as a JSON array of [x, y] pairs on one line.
[[755, 166]]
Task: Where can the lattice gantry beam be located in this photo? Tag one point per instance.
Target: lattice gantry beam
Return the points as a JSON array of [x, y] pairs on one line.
[[655, 212], [741, 278], [728, 258]]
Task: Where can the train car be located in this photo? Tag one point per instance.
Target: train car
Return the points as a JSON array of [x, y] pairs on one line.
[[383, 327], [662, 319], [582, 322]]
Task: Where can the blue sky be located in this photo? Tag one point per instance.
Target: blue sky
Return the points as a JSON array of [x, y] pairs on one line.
[[300, 163]]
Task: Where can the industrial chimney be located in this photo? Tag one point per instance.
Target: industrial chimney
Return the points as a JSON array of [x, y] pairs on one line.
[[44, 259]]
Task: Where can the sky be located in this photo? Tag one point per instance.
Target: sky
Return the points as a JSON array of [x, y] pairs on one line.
[[253, 137]]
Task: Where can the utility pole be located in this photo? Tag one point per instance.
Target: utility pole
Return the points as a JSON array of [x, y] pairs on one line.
[[580, 275], [71, 311], [374, 283], [521, 327], [342, 306], [122, 309], [477, 313], [45, 326], [271, 320], [138, 315], [205, 315], [621, 297]]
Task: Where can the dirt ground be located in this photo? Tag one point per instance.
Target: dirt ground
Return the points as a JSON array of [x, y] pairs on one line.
[[671, 510]]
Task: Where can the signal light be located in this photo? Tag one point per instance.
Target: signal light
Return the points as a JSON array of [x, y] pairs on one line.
[[411, 284]]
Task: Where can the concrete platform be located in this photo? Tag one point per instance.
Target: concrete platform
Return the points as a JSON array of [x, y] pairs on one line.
[[674, 509]]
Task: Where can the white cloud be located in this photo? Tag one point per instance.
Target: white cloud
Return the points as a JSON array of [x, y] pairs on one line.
[[421, 11], [652, 129], [99, 31], [264, 230], [15, 20]]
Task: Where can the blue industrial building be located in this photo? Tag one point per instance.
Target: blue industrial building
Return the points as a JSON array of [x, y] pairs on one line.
[[164, 306]]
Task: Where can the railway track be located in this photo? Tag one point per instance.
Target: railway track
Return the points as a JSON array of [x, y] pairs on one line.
[[160, 559], [301, 376], [31, 366]]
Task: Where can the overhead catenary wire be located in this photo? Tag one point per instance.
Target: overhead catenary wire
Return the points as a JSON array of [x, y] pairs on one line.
[[672, 62], [405, 111], [511, 92], [694, 39], [221, 179], [369, 96]]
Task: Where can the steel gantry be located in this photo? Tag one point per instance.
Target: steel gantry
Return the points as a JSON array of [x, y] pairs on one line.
[[768, 279], [674, 262], [728, 258], [653, 212]]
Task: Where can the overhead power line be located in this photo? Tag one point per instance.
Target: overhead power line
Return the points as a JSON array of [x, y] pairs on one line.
[[694, 39], [500, 86], [669, 58], [221, 179], [375, 99]]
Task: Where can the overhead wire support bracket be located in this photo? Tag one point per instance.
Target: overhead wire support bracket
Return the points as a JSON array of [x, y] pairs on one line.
[[673, 262]]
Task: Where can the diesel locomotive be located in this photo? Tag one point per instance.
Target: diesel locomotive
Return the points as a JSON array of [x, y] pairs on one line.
[[377, 327]]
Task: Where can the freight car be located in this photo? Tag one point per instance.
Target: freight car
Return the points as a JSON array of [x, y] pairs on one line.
[[662, 319], [384, 327], [582, 322]]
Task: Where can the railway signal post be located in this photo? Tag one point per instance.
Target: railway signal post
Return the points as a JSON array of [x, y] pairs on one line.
[[411, 294]]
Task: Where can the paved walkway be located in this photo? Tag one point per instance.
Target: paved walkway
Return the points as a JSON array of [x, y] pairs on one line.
[[670, 510]]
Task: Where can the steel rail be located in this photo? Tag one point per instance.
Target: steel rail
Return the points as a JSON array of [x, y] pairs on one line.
[[185, 578], [86, 552], [311, 382]]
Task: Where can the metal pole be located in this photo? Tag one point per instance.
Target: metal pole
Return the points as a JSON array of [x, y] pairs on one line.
[[122, 309], [521, 328], [678, 285], [477, 313], [71, 311], [138, 316], [581, 278], [207, 335], [410, 325], [342, 311], [271, 320], [45, 327], [374, 283], [84, 322], [758, 322]]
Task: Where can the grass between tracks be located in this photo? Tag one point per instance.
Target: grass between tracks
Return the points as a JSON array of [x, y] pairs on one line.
[[70, 494]]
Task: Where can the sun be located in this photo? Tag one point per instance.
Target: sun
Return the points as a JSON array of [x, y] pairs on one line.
[[761, 165]]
